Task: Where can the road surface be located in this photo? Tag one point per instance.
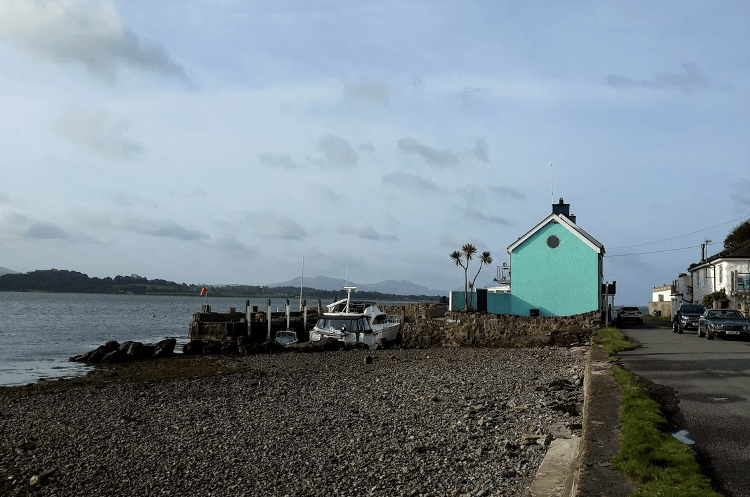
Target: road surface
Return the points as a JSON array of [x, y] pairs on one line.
[[712, 379]]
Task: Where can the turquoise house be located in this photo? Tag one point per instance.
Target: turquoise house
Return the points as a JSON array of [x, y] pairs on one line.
[[556, 270]]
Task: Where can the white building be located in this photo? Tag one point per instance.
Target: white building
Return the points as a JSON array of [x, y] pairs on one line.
[[729, 270]]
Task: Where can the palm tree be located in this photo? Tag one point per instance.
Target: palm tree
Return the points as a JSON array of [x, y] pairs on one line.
[[466, 254], [484, 259]]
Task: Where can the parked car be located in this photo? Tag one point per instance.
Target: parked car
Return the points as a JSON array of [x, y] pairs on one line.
[[686, 317], [723, 323], [629, 314]]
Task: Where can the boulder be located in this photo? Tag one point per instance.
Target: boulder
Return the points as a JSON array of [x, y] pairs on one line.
[[193, 347], [212, 347], [98, 353], [229, 347], [117, 355], [165, 348], [135, 351]]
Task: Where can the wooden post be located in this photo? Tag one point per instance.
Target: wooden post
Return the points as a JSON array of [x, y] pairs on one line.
[[248, 317], [304, 315], [606, 304], [268, 318], [320, 307], [287, 314]]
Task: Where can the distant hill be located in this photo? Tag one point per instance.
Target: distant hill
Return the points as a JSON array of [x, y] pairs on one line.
[[395, 287], [5, 270]]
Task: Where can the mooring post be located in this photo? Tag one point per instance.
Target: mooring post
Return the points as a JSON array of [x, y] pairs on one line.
[[320, 307], [268, 318], [247, 317], [287, 314]]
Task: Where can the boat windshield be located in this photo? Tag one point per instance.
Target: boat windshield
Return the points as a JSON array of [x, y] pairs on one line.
[[351, 324]]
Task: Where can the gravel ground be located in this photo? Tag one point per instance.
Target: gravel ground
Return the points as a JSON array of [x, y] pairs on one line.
[[395, 422]]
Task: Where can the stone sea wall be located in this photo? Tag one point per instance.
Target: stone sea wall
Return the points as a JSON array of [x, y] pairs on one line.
[[462, 329]]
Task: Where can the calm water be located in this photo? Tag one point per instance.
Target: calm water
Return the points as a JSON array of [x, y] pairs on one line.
[[40, 331]]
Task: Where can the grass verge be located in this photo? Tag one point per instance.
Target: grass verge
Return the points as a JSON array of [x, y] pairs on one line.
[[613, 341], [660, 465]]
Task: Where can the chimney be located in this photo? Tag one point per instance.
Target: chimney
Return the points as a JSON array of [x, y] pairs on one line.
[[561, 208]]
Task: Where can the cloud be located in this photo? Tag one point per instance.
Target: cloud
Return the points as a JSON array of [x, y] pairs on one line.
[[125, 199], [4, 199], [481, 216], [481, 151], [366, 147], [434, 157], [42, 231], [691, 78], [741, 193], [283, 161], [161, 228], [87, 33], [91, 128], [274, 227], [365, 231], [233, 245], [410, 181], [507, 191], [337, 152], [369, 91]]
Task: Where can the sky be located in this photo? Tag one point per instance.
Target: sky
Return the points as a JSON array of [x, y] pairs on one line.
[[222, 142]]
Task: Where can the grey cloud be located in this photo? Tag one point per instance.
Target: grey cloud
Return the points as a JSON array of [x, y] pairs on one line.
[[434, 157], [691, 78], [83, 33], [233, 245], [281, 160], [161, 228], [472, 194], [92, 129], [366, 147], [42, 230], [128, 200], [410, 182], [337, 152], [507, 191], [481, 151], [365, 231], [371, 92], [481, 216], [274, 227], [741, 193]]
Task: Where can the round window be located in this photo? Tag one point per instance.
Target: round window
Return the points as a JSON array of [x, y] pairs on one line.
[[553, 242]]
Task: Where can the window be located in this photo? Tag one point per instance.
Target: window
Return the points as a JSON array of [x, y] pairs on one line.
[[721, 274], [553, 241]]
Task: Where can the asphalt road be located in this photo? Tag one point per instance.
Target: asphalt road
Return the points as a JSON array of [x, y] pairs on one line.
[[712, 379]]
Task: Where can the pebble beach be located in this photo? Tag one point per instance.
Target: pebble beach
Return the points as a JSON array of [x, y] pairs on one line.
[[417, 422]]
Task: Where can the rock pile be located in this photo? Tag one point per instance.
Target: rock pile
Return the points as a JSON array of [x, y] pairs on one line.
[[114, 352], [437, 422]]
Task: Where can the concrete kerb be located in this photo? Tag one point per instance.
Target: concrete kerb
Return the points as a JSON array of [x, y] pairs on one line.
[[581, 466]]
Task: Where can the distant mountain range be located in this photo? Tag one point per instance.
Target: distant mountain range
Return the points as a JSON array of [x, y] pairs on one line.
[[394, 287], [5, 270]]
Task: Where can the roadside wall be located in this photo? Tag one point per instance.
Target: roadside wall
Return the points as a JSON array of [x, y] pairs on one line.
[[460, 329], [664, 307]]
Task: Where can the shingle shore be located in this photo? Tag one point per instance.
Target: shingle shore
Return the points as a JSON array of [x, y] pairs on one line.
[[407, 422]]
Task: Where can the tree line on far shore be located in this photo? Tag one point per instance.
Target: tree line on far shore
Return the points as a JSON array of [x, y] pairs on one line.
[[60, 280]]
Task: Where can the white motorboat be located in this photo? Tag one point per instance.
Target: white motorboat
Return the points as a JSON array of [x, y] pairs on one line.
[[349, 321], [286, 337]]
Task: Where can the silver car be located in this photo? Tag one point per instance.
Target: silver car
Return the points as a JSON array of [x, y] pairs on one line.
[[723, 323]]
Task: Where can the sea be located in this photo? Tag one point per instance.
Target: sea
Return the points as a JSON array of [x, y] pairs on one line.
[[39, 332]]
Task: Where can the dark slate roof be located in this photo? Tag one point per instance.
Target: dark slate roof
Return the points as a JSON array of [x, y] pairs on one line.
[[740, 251]]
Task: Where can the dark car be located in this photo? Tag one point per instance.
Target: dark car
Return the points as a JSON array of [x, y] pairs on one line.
[[723, 323], [686, 317]]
